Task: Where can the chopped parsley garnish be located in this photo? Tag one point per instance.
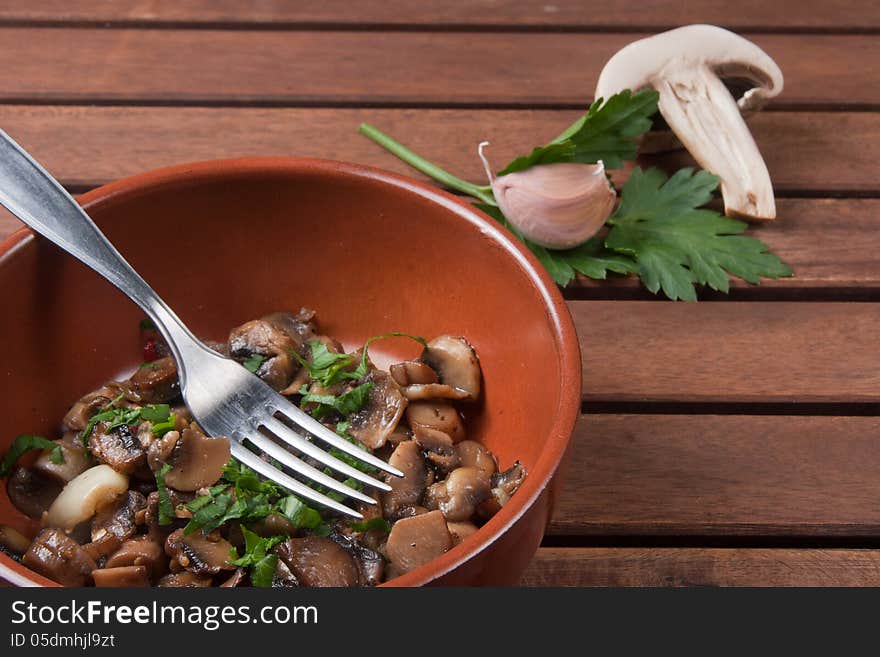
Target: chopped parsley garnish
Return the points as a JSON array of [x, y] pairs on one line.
[[117, 417], [166, 510], [373, 523], [298, 513], [327, 367], [344, 404], [256, 557], [147, 324], [254, 363], [25, 443]]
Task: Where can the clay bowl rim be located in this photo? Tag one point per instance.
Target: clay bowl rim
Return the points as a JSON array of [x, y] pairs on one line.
[[567, 346]]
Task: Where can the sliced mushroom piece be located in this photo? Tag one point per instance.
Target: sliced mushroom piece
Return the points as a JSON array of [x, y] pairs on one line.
[[439, 449], [415, 541], [199, 554], [197, 460], [406, 491], [76, 459], [13, 542], [32, 491], [413, 372], [84, 495], [686, 66], [81, 412], [380, 415], [461, 530], [140, 551], [458, 495], [184, 579], [274, 337], [473, 455], [438, 415], [115, 523], [273, 524], [370, 563], [504, 485], [160, 450], [155, 382], [456, 363], [55, 555], [316, 561], [283, 578], [235, 579], [121, 576], [118, 447]]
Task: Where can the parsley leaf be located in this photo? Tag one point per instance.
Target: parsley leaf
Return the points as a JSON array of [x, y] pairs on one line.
[[373, 523], [253, 363], [677, 245], [607, 132], [300, 515], [117, 417], [166, 511], [344, 404], [256, 557], [25, 443], [327, 367]]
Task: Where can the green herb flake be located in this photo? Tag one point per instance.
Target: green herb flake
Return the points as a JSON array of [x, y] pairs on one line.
[[25, 443], [166, 510], [256, 557], [373, 523], [300, 515], [254, 363], [344, 404], [147, 324]]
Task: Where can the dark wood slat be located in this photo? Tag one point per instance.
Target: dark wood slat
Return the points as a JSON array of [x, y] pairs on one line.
[[805, 151], [714, 475], [702, 567], [839, 14], [538, 70], [729, 352]]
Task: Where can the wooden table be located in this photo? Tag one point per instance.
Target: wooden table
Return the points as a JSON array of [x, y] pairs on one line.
[[733, 441]]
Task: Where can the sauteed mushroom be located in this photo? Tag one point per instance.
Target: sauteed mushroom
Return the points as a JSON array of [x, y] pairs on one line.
[[155, 501], [55, 555]]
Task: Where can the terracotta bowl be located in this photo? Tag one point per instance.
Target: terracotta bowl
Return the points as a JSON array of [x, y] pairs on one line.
[[227, 241]]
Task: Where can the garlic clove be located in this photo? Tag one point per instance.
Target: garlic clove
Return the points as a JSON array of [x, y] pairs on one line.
[[558, 206]]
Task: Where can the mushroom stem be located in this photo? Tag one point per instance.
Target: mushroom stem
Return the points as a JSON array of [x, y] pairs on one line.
[[705, 116]]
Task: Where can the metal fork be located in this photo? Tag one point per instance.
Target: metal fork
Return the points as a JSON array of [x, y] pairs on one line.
[[224, 398]]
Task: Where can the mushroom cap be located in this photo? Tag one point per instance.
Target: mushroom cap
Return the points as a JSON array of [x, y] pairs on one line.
[[638, 64]]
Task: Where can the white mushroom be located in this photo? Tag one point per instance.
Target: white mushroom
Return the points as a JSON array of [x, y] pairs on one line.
[[686, 67], [83, 495]]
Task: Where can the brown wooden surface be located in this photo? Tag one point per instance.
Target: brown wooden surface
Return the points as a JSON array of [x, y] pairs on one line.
[[415, 68], [129, 140], [731, 442], [703, 567], [721, 475], [749, 14]]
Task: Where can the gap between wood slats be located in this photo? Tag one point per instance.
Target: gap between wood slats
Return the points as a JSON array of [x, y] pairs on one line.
[[702, 567], [414, 69], [451, 28], [507, 15]]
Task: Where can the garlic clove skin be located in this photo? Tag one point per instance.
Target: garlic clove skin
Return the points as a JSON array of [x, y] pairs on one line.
[[558, 206]]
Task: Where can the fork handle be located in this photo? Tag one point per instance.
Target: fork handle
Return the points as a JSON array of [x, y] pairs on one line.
[[29, 192]]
